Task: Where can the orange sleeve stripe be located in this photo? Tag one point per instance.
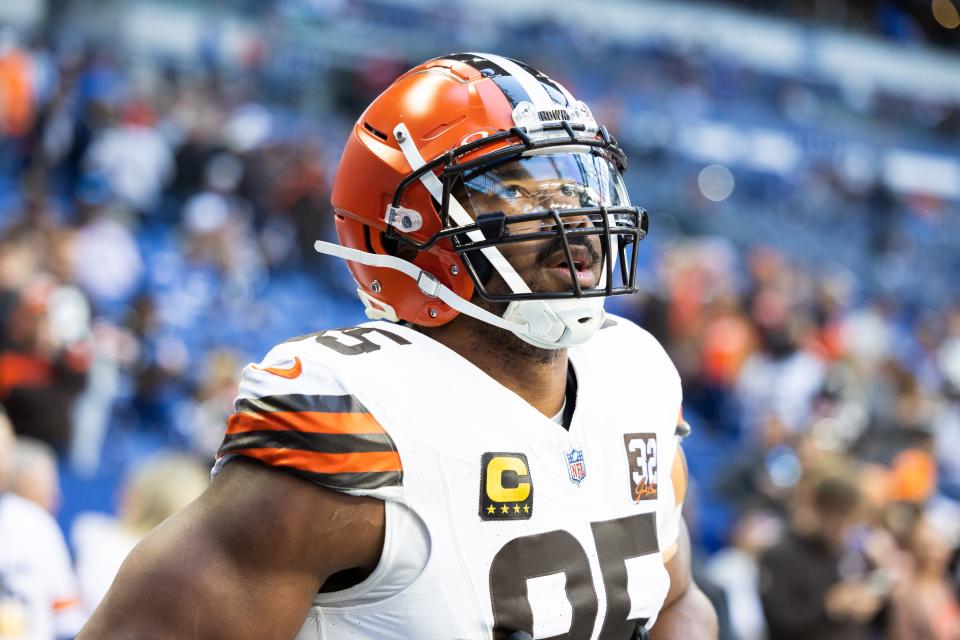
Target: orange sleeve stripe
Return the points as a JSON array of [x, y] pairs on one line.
[[304, 421], [316, 462]]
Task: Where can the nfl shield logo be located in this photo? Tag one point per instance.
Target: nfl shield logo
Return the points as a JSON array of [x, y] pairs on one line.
[[575, 467]]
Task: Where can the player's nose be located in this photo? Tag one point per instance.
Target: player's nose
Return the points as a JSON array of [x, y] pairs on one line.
[[581, 221]]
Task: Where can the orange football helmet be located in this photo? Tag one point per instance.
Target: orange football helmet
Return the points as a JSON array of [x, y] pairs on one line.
[[424, 170]]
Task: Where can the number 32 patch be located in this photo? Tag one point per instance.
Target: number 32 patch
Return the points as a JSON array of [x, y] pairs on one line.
[[642, 460]]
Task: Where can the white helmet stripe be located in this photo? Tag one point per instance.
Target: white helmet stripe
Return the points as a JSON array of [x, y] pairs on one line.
[[456, 210], [538, 95], [550, 82], [567, 94]]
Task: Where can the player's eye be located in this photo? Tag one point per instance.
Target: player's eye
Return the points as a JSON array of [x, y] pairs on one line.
[[512, 191], [588, 199]]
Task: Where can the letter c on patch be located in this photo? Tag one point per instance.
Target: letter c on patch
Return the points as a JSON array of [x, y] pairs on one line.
[[500, 468]]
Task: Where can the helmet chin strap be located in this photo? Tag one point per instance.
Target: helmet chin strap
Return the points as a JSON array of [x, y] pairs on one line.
[[548, 324], [555, 324]]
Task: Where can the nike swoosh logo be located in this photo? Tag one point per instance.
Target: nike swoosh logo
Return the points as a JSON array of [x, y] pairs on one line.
[[289, 373]]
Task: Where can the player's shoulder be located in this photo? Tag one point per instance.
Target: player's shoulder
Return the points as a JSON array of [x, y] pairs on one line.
[[300, 409], [289, 367], [614, 325], [343, 344], [314, 362], [621, 338]]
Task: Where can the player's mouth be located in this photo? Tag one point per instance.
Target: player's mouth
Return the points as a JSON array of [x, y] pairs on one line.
[[583, 267]]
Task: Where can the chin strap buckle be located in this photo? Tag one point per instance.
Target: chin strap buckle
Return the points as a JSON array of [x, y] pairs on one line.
[[427, 283]]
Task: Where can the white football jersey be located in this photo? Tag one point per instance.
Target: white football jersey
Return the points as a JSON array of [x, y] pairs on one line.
[[38, 591], [498, 519]]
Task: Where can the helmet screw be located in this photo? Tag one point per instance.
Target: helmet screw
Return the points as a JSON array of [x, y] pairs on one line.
[[401, 137], [433, 312], [454, 270], [375, 286]]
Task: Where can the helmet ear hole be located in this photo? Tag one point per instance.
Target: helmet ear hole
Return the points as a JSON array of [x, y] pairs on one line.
[[396, 248], [390, 245], [406, 252]]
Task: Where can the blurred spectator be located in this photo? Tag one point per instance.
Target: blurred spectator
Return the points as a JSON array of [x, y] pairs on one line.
[[763, 475], [781, 378], [35, 475], [803, 592], [156, 490], [135, 158], [212, 404], [901, 421], [736, 570], [43, 357], [924, 604], [38, 595], [116, 273], [16, 87]]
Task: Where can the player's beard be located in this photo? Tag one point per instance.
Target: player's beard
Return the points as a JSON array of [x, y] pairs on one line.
[[496, 340], [507, 346]]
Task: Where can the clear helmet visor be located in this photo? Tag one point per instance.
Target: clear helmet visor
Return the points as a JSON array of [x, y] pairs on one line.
[[567, 221]]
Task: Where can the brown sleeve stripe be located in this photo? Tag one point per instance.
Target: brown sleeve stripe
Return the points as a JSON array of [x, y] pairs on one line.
[[356, 480], [328, 439], [349, 481], [325, 463], [304, 422], [300, 402], [683, 427], [320, 442]]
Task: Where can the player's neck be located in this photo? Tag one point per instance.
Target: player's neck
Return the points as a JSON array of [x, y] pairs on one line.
[[539, 376]]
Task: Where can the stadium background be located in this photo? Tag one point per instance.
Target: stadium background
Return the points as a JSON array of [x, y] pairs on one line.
[[165, 168]]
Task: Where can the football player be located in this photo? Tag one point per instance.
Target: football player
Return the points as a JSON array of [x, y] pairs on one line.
[[492, 455]]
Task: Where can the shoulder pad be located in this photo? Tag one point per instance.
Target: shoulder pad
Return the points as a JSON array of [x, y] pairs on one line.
[[293, 413]]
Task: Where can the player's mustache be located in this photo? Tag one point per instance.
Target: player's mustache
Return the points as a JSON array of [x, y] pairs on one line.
[[556, 244]]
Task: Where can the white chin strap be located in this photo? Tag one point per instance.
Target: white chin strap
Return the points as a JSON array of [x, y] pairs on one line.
[[548, 324]]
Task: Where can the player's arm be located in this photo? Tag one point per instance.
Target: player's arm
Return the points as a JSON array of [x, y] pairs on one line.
[[687, 613], [243, 561]]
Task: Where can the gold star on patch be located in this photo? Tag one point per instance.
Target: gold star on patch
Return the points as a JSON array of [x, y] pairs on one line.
[[516, 508], [526, 508], [504, 509], [491, 509]]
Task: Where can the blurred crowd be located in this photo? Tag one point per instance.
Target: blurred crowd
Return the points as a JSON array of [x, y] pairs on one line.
[[900, 20], [827, 484], [142, 220], [156, 225]]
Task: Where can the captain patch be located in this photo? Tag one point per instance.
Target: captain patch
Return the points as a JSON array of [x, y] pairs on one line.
[[506, 488]]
